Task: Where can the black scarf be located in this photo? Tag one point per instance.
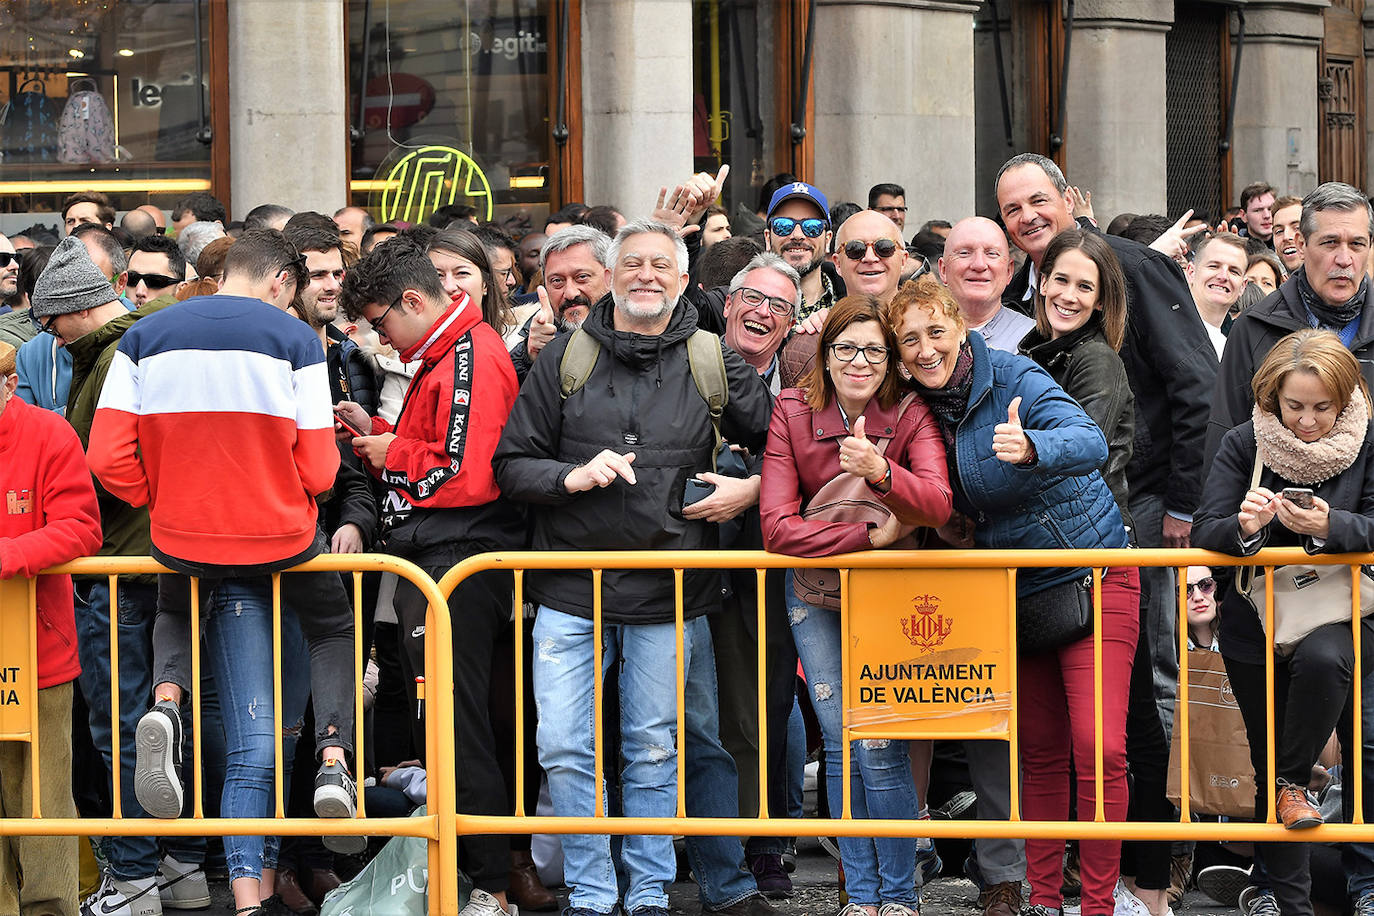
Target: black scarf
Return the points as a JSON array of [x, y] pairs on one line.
[[1333, 317], [950, 402]]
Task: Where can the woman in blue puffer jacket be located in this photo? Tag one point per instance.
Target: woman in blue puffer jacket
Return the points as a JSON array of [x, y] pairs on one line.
[[1023, 462]]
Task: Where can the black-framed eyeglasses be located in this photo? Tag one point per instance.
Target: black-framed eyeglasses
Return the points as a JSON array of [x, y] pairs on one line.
[[152, 281], [782, 226], [377, 322], [46, 324], [845, 353], [1207, 586], [10, 257], [754, 298], [883, 248]]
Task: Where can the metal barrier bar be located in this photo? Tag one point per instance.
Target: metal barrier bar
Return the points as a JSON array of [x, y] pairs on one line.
[[1271, 769], [278, 713], [1357, 728], [439, 827], [680, 688], [762, 681], [845, 825], [519, 692], [1185, 800]]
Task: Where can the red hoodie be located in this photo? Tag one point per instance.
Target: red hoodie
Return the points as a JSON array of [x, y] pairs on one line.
[[50, 518], [452, 416]]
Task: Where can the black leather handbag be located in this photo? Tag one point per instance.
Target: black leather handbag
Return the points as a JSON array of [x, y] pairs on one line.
[[1054, 617]]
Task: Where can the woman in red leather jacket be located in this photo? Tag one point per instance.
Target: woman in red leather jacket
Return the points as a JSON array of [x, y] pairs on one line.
[[853, 396]]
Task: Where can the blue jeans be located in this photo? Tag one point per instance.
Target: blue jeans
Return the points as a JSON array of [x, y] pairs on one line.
[[796, 761], [238, 638], [130, 857], [563, 694], [881, 870], [712, 786]]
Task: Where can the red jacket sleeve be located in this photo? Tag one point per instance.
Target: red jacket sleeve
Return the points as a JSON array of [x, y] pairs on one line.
[[71, 522], [921, 493], [447, 434]]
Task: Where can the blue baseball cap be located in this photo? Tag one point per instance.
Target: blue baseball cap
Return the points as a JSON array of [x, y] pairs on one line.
[[799, 190]]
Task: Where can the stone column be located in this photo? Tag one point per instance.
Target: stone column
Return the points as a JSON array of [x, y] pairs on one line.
[[1114, 122], [288, 99], [893, 87], [636, 100], [1275, 137]]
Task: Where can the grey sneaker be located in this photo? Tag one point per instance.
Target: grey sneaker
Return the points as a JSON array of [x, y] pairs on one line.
[[336, 795], [182, 886], [157, 761], [123, 898], [1223, 883], [1257, 901], [480, 903]]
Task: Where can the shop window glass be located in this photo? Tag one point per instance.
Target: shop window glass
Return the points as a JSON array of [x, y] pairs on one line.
[[101, 96], [453, 104]]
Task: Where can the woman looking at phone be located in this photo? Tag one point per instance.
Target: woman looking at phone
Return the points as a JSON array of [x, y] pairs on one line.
[[1309, 431]]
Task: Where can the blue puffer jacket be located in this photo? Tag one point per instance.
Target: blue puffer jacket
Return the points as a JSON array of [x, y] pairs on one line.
[[1060, 502]]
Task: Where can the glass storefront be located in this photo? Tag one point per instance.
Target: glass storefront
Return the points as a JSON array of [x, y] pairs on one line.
[[104, 96], [452, 100]]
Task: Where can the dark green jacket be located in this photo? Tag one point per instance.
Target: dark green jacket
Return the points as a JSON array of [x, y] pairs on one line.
[[125, 528], [17, 328]]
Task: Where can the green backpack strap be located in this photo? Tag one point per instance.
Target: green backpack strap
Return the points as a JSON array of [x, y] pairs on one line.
[[707, 365], [578, 361]]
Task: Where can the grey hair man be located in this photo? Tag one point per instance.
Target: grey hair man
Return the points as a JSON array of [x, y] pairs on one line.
[[573, 263], [193, 239], [570, 452]]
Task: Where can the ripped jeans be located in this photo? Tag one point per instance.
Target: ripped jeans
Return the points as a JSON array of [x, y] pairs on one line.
[[238, 644], [876, 870], [563, 683]]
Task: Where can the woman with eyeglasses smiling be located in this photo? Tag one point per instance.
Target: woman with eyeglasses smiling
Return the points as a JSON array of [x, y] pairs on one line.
[[849, 437]]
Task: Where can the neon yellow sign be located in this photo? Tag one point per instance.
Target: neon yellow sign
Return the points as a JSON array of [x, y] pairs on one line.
[[431, 177]]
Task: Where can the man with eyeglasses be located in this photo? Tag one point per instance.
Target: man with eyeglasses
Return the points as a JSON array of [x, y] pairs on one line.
[[156, 266], [889, 200], [798, 229], [870, 255], [976, 267]]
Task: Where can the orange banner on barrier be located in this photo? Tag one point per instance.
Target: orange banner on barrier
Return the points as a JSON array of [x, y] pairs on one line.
[[930, 648], [18, 679]]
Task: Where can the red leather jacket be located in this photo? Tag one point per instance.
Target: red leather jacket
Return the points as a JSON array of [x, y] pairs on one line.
[[803, 454]]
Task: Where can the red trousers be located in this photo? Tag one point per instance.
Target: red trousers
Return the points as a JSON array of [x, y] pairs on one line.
[[1054, 718]]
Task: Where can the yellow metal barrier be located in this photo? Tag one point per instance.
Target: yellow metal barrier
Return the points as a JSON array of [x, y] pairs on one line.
[[677, 562], [18, 722]]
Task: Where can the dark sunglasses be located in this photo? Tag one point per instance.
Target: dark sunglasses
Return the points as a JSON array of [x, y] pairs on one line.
[[9, 257], [1206, 586], [883, 248], [152, 281], [782, 226]]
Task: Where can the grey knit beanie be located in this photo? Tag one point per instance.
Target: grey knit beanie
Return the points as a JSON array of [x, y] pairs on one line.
[[71, 282]]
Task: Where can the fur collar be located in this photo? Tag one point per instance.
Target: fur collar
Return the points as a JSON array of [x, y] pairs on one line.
[[1311, 463]]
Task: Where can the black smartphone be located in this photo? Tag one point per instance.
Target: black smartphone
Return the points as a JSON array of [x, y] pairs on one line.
[[695, 491], [1298, 496]]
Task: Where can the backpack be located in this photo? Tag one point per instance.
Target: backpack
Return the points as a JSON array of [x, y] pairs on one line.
[[28, 125], [85, 132], [704, 360]]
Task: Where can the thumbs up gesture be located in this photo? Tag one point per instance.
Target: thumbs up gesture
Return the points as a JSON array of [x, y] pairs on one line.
[[543, 326], [1009, 441], [859, 457]]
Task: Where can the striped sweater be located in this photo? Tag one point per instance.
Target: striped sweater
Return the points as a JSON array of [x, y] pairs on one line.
[[216, 414]]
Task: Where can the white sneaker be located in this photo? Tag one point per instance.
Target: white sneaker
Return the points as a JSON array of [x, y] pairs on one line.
[[123, 898], [182, 886], [157, 745], [1128, 904], [480, 903]]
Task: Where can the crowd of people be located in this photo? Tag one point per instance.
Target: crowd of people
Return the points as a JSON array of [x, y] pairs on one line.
[[243, 396]]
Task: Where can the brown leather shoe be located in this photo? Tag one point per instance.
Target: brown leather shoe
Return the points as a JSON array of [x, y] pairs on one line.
[[1180, 878], [528, 892], [1001, 899], [318, 882], [291, 894], [1294, 809]]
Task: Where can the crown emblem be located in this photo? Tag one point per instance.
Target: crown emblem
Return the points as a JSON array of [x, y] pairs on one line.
[[927, 628]]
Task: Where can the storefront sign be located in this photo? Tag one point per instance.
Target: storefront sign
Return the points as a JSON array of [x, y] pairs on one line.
[[17, 677], [930, 649], [431, 177]]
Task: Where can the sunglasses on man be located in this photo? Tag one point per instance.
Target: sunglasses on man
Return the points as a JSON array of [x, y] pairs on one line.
[[883, 248], [782, 226], [152, 281], [9, 257]]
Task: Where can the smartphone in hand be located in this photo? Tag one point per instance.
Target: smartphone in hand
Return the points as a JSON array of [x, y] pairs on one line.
[[1298, 496]]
